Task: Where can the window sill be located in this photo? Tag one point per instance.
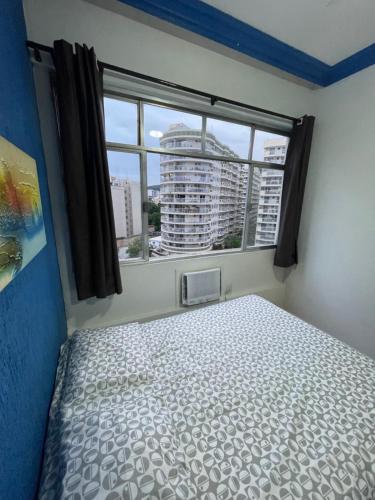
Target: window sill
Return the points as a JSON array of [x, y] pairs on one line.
[[141, 261]]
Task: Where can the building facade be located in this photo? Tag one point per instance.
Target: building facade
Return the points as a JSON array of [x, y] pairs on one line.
[[126, 200], [201, 199], [266, 194]]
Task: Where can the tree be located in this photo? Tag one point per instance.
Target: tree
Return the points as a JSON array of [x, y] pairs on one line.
[[232, 241], [154, 215], [135, 247]]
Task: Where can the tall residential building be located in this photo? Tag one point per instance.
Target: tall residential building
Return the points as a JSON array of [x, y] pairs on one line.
[[126, 199], [267, 184], [201, 200]]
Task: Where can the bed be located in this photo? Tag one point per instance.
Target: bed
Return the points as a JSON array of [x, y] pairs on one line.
[[238, 400]]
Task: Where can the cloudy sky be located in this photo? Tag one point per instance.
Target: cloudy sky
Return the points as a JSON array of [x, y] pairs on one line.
[[121, 126]]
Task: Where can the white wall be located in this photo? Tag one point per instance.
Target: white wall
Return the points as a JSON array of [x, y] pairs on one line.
[[121, 41], [333, 285], [152, 289]]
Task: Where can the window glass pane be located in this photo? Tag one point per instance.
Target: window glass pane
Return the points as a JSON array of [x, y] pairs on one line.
[[227, 139], [266, 190], [270, 147], [124, 170], [196, 205], [120, 121], [168, 128]]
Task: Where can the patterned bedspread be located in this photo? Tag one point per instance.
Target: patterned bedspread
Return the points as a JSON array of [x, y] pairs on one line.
[[238, 400]]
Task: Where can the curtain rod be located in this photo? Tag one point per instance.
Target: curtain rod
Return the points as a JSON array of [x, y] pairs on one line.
[[37, 47]]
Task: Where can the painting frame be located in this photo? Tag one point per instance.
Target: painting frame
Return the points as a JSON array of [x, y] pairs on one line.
[[22, 231]]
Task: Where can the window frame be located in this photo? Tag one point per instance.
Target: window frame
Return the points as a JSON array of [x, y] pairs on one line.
[[142, 150]]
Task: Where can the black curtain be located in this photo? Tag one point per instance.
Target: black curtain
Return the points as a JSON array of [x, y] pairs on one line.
[[79, 96], [296, 164]]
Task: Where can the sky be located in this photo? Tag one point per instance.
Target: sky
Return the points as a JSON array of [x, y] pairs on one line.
[[121, 126]]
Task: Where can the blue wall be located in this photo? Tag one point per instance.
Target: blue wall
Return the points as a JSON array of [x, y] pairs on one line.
[[32, 317]]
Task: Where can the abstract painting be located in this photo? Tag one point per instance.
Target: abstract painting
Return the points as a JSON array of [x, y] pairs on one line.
[[22, 234]]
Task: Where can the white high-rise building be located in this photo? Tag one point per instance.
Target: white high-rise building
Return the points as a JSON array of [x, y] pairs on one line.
[[201, 199], [270, 184]]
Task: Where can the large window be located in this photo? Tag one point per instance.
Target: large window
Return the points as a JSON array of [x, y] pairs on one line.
[[186, 183]]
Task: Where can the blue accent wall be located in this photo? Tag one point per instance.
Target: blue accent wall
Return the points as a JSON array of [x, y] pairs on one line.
[[32, 316]]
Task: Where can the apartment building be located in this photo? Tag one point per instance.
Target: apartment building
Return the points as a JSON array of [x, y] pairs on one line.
[[267, 191], [126, 199], [201, 199]]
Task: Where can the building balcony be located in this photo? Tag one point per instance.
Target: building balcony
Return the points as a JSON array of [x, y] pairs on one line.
[[185, 220], [269, 201], [270, 236], [267, 191], [183, 249], [166, 237], [267, 218], [263, 210], [187, 179], [182, 190], [272, 183], [266, 229], [191, 210], [185, 145], [231, 187], [188, 231], [231, 178], [172, 169], [186, 200]]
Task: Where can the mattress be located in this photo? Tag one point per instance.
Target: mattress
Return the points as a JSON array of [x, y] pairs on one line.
[[237, 400]]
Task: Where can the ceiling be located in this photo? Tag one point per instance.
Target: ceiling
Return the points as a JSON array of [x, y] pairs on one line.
[[313, 42], [329, 30]]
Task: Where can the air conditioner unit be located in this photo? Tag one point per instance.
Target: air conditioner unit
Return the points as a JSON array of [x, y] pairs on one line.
[[200, 286]]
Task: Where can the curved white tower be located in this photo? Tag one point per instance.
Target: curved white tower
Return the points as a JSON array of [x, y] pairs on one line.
[[199, 198]]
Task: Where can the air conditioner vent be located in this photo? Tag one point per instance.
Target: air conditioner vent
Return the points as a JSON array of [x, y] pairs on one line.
[[200, 286]]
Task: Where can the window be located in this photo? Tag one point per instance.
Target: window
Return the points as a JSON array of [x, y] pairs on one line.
[[185, 183], [121, 118], [269, 147], [164, 127], [125, 177], [227, 138], [265, 199]]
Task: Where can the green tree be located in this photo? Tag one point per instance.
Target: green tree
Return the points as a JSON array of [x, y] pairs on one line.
[[232, 241], [154, 215], [134, 247]]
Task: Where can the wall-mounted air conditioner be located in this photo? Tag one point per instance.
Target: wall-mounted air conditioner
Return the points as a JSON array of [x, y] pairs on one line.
[[200, 286]]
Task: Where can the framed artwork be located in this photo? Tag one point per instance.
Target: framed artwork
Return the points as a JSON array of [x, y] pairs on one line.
[[22, 234]]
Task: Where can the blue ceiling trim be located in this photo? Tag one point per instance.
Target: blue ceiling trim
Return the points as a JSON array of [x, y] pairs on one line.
[[357, 62], [212, 23]]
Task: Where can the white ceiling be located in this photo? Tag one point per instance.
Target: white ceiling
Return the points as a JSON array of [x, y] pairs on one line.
[[330, 30]]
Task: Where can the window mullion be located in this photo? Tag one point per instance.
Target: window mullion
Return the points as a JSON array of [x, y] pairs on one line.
[[248, 191], [204, 129], [141, 139], [144, 196]]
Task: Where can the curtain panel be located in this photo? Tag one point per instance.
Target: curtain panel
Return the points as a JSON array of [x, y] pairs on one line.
[[79, 96], [296, 165]]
